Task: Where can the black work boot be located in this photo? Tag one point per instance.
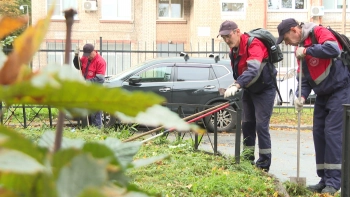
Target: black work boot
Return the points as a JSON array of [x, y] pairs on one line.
[[316, 188], [329, 189]]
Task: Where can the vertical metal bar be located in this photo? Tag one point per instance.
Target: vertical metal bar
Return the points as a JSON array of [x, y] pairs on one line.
[[238, 134], [216, 132], [345, 172], [24, 116], [101, 46], [50, 116], [1, 116]]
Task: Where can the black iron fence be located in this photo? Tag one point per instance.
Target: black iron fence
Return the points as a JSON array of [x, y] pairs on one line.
[[121, 56]]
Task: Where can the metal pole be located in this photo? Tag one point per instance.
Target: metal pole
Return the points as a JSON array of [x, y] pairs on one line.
[[299, 117], [216, 133], [238, 132]]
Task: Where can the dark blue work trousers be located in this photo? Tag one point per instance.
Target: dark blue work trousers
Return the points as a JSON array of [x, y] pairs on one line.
[[256, 114], [96, 119], [327, 134]]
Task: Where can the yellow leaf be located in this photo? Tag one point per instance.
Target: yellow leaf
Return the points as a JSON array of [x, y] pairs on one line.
[[10, 24], [24, 47]]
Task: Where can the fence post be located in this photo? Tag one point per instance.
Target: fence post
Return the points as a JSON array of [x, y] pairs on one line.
[[24, 116], [216, 133], [212, 45], [101, 46], [345, 172], [1, 117], [238, 131]]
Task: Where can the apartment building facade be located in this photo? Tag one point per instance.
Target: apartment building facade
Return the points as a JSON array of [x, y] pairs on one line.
[[171, 25]]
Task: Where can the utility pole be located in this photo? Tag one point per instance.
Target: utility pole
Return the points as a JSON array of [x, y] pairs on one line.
[[22, 8]]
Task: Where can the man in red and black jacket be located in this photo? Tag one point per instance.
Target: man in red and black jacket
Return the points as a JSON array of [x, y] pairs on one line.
[[252, 73], [93, 68], [326, 74]]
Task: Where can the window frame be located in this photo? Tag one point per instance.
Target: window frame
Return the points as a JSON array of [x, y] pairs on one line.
[[120, 60], [169, 15], [58, 52], [335, 3], [287, 9], [235, 14], [116, 17], [61, 9]]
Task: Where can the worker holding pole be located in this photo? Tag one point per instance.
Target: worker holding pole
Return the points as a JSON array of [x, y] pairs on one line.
[[327, 75]]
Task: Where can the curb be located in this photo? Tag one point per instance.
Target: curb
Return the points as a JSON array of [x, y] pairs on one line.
[[302, 127]]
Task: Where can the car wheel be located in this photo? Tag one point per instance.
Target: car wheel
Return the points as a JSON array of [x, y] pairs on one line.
[[291, 98], [108, 120], [226, 120]]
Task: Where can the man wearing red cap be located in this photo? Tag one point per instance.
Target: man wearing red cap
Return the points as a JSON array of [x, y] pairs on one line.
[[93, 68], [326, 74], [252, 73]]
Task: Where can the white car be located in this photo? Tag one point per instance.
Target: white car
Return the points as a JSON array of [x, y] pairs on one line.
[[287, 85]]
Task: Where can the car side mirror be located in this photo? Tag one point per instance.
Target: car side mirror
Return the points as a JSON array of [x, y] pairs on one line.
[[134, 80]]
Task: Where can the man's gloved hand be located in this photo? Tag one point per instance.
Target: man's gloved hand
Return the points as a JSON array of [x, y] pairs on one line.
[[300, 52], [299, 103], [76, 52], [231, 90]]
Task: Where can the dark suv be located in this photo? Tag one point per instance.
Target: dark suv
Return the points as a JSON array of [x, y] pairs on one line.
[[192, 83]]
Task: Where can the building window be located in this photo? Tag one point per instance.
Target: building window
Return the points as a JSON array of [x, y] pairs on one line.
[[117, 61], [333, 5], [170, 50], [170, 8], [55, 55], [286, 4], [60, 6], [116, 9], [233, 8]]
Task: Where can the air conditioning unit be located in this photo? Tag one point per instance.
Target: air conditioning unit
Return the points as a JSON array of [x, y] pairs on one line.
[[317, 10], [90, 5]]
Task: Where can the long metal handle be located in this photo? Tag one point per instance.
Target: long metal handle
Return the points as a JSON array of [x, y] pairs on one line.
[[186, 118], [299, 116]]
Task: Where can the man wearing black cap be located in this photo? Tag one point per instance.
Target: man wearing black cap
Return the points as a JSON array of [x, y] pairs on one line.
[[326, 74], [93, 68], [252, 74]]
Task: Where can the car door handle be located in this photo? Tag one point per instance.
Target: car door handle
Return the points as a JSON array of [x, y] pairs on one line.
[[209, 87], [165, 89]]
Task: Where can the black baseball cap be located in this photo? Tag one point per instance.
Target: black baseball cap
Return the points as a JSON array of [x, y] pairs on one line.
[[226, 27], [87, 49], [284, 27]]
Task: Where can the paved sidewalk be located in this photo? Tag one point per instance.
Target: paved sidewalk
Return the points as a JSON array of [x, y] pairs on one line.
[[284, 153]]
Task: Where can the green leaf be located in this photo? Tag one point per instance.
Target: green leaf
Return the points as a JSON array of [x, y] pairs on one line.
[[144, 162], [47, 140], [123, 151], [81, 173], [38, 185], [64, 87], [12, 140], [18, 162], [155, 116], [62, 158], [95, 192], [101, 151]]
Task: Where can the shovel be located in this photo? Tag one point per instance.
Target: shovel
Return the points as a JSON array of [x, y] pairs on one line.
[[297, 179]]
